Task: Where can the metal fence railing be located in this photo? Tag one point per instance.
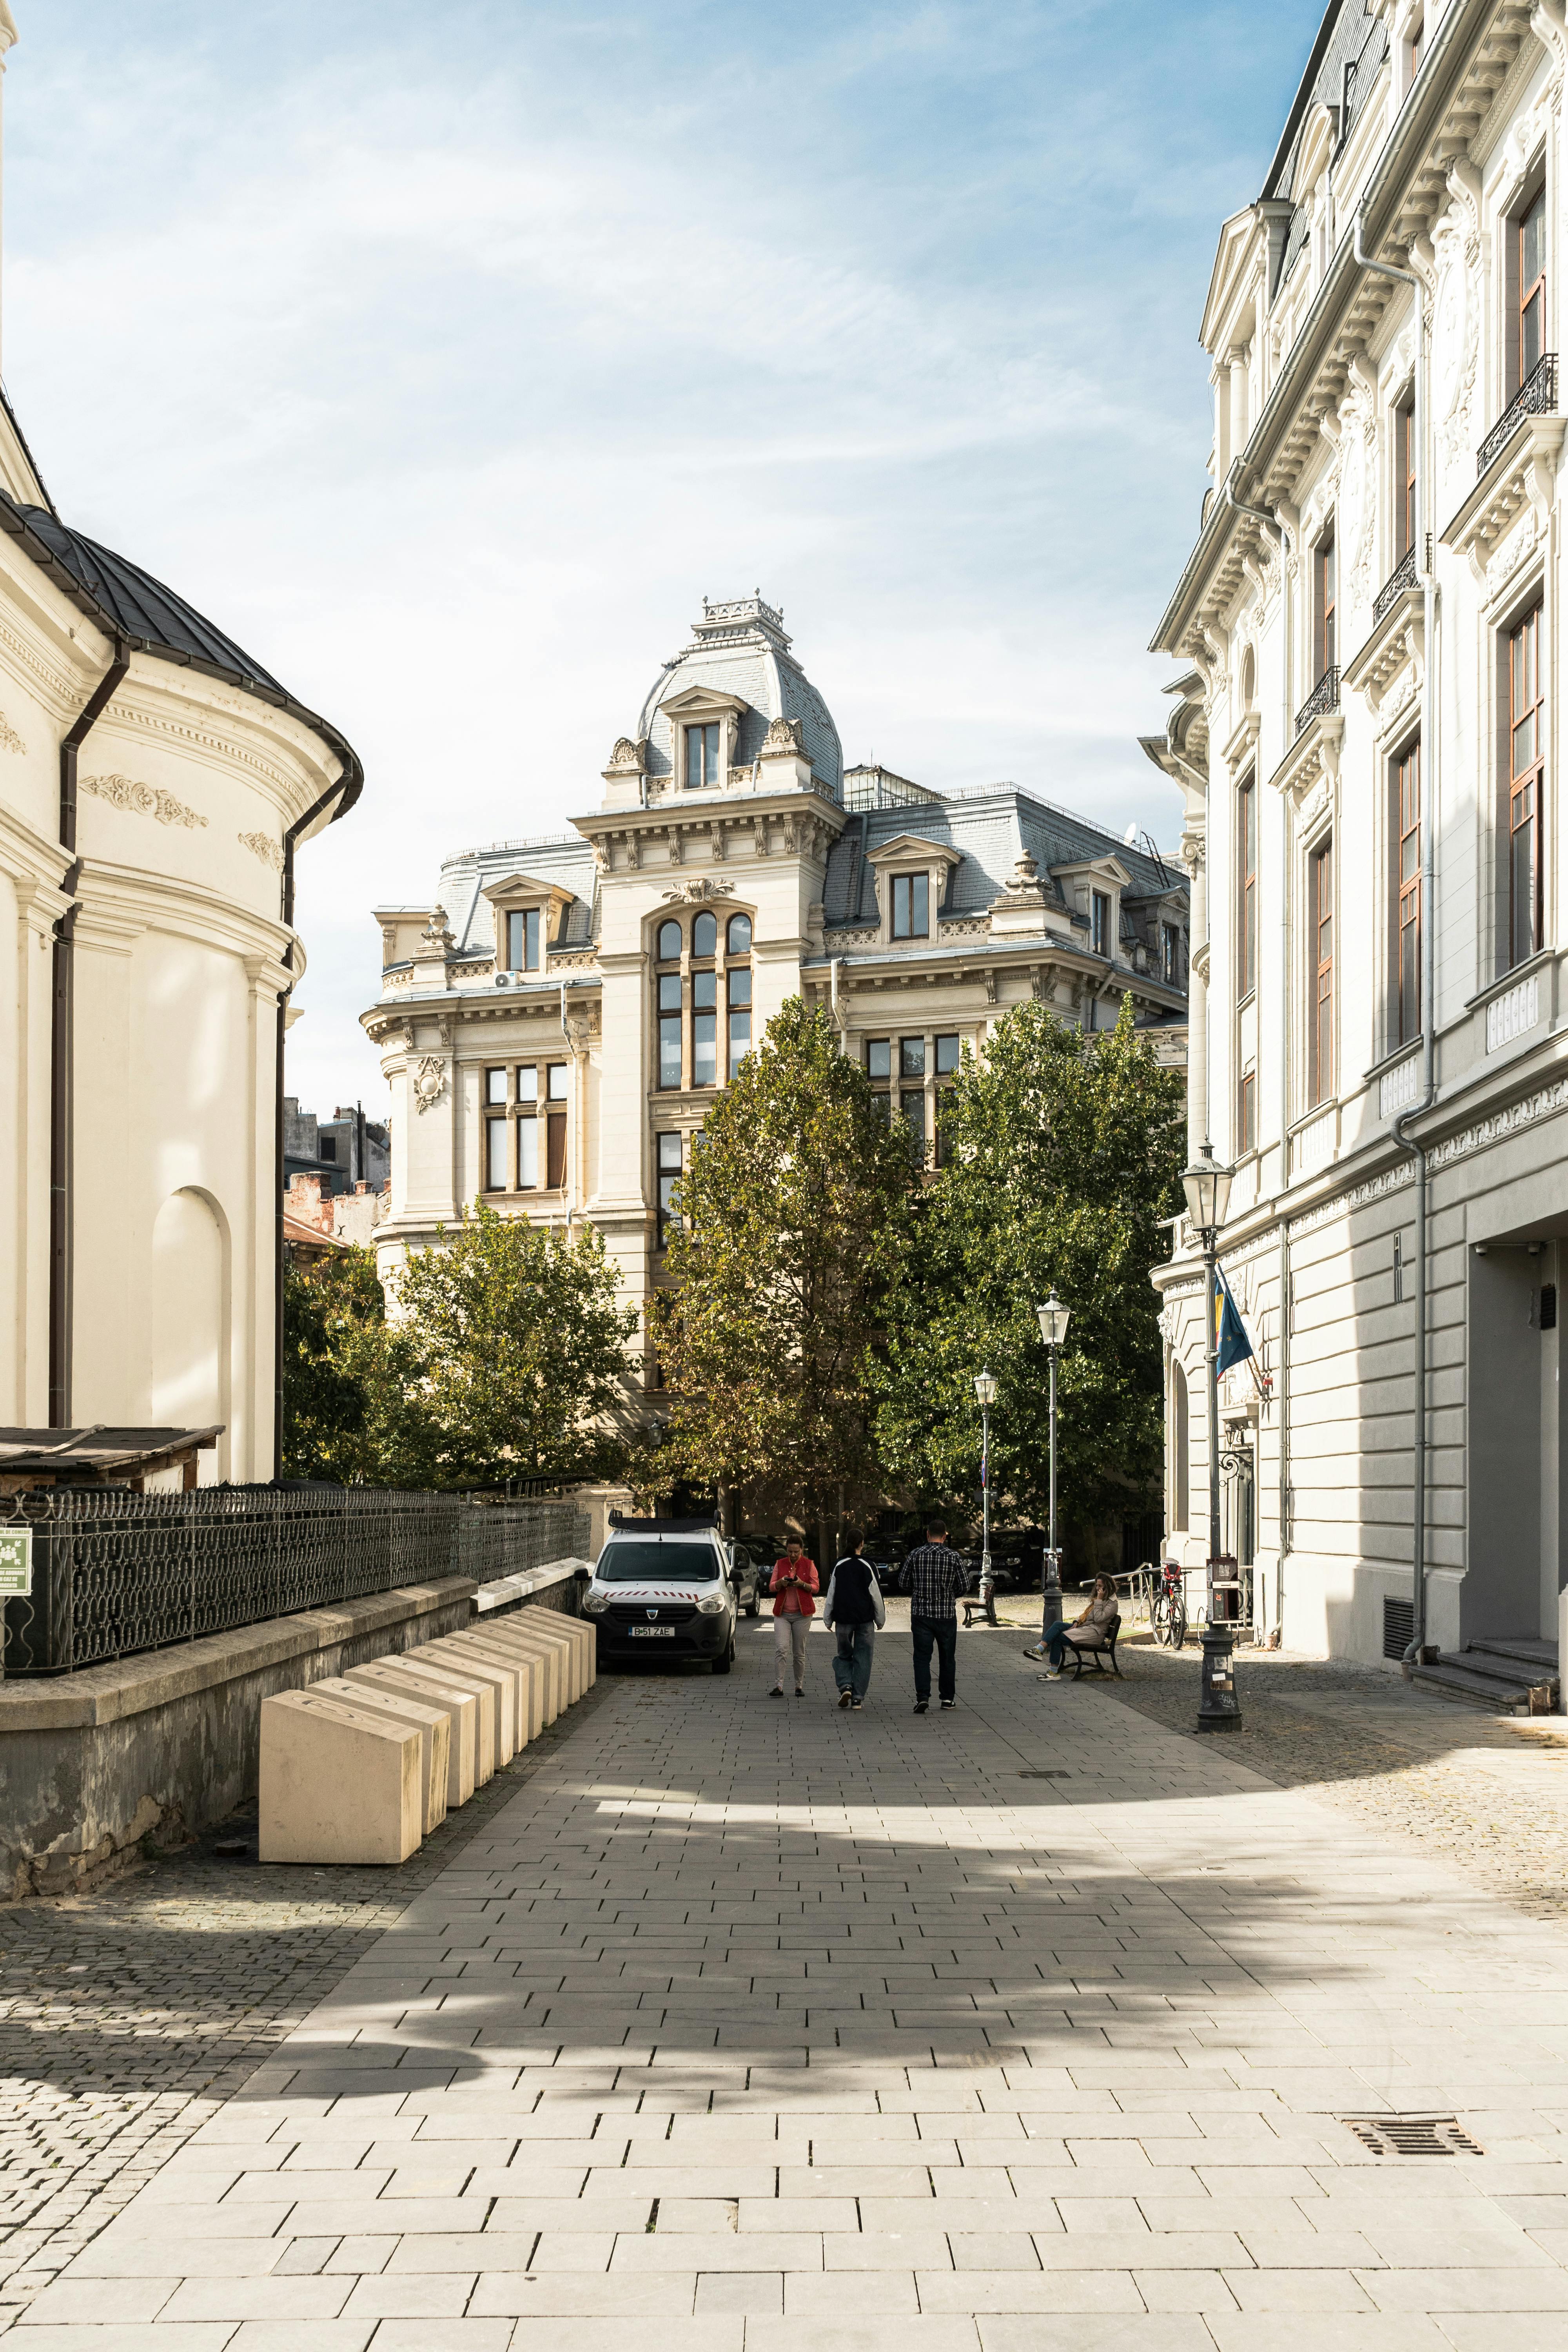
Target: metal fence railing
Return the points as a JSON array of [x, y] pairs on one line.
[[114, 1573]]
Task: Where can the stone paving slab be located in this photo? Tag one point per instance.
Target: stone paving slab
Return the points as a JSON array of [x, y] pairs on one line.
[[761, 2026]]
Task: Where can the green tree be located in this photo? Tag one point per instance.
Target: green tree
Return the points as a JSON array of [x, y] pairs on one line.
[[350, 1410], [1064, 1152], [792, 1218], [521, 1350]]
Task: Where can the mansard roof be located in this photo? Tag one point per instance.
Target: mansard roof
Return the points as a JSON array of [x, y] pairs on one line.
[[1352, 44], [740, 648], [129, 604], [989, 832], [562, 862]]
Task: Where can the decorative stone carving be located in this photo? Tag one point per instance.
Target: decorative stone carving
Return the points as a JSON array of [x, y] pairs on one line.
[[262, 846], [429, 1081], [147, 800], [761, 840], [783, 741], [437, 938], [628, 759], [702, 885], [1456, 252], [9, 739], [1520, 544]]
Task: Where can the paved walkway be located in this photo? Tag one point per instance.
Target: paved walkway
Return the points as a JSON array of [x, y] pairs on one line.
[[757, 2026]]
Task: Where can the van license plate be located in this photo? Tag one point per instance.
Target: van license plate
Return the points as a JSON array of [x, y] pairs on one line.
[[651, 1632]]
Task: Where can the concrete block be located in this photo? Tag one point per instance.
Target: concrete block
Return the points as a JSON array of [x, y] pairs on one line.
[[503, 1714], [337, 1784], [530, 1671], [461, 1706], [423, 1663], [430, 1720], [480, 1652], [528, 1639], [580, 1637]]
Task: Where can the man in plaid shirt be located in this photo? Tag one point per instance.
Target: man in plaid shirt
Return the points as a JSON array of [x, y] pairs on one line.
[[934, 1578]]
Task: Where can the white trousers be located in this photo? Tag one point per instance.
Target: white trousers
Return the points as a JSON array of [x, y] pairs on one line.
[[789, 1640]]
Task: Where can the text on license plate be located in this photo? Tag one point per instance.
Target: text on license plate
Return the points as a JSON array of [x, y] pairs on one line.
[[651, 1632]]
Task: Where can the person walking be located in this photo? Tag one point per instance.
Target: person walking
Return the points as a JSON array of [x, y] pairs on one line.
[[933, 1577], [795, 1583], [855, 1609]]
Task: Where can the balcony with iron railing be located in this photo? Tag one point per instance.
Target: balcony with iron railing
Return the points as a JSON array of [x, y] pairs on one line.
[[1406, 575], [1323, 698], [1536, 396]]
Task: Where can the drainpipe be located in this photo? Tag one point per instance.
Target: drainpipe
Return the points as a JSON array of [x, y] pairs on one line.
[[62, 1056], [290, 835], [1406, 1141]]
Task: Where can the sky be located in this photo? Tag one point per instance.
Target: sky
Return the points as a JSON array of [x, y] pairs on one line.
[[447, 356]]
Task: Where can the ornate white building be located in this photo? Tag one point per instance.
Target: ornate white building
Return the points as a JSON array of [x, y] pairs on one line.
[[155, 784], [1365, 734], [556, 1029]]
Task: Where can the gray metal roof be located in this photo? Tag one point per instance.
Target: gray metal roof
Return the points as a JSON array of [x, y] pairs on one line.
[[991, 831], [1350, 47], [566, 860], [740, 647]]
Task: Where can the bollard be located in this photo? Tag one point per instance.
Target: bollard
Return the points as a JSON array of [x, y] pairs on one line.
[[1219, 1708]]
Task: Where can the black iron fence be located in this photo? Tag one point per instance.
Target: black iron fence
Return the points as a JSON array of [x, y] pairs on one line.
[[1536, 396], [114, 1573]]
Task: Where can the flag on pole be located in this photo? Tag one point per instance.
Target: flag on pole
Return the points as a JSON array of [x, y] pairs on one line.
[[1232, 1345]]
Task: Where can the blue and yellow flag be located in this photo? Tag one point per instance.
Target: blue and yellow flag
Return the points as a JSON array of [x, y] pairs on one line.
[[1232, 1345]]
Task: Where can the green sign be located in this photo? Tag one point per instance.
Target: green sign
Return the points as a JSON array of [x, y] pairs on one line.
[[16, 1559]]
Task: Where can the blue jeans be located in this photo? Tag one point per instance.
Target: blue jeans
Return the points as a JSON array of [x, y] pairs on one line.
[[1057, 1642], [852, 1658], [942, 1633]]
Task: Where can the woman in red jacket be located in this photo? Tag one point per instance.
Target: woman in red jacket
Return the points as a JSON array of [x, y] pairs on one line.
[[794, 1581]]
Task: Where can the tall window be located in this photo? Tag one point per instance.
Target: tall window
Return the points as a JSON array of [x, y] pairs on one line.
[[1533, 287], [669, 1149], [879, 1070], [1246, 888], [702, 757], [1324, 597], [670, 1029], [1417, 48], [1526, 736], [1247, 1111], [528, 1127], [738, 981], [1407, 972], [523, 939], [514, 1116], [1100, 921], [704, 1028], [1321, 1032], [1171, 954], [1405, 480], [912, 905], [949, 1055]]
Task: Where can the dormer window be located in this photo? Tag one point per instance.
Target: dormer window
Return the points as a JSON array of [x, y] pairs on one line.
[[912, 905], [702, 757], [1100, 921], [524, 940]]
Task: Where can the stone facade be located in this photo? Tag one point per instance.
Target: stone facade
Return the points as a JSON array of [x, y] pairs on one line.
[[555, 1029], [1365, 738]]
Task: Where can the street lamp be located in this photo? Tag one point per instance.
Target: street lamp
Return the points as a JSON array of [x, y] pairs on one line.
[[985, 1391], [1053, 1317], [1207, 1188]]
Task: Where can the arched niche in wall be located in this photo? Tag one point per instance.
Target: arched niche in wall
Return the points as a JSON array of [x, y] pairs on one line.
[[189, 1319]]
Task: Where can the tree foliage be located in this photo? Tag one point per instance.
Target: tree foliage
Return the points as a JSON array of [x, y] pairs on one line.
[[520, 1349], [792, 1216], [348, 1412], [1065, 1150]]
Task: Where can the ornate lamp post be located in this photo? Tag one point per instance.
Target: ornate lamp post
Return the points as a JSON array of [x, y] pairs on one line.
[[985, 1391], [1053, 1317], [1207, 1188]]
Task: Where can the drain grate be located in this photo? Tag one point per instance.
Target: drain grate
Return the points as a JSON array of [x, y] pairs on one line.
[[1412, 2136], [1044, 1776]]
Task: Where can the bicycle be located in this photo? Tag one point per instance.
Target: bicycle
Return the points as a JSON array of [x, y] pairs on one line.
[[1168, 1609]]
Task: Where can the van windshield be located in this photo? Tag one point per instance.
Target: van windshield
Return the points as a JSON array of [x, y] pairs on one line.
[[659, 1563]]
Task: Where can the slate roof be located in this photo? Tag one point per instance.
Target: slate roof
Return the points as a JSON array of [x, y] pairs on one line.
[[990, 832], [1350, 37], [565, 858], [130, 604], [740, 647]]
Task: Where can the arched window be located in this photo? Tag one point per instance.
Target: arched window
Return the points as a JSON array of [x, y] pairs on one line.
[[740, 935], [705, 936], [669, 942]]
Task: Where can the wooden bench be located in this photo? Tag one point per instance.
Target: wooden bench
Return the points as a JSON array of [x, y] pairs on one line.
[[1099, 1648]]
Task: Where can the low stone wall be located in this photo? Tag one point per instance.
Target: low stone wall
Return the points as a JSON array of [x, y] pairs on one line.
[[556, 1586], [160, 1745]]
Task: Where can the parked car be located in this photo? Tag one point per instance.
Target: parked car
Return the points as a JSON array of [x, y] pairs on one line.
[[750, 1575], [664, 1588]]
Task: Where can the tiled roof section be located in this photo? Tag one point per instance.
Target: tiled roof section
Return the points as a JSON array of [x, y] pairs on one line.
[[568, 861], [128, 602], [741, 648], [1349, 48], [990, 832]]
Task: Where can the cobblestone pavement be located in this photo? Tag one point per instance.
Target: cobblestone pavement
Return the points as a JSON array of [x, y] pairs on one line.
[[770, 2028], [1488, 1793], [128, 2016]]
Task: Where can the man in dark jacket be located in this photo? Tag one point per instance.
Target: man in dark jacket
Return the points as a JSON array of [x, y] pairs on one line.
[[854, 1608], [934, 1578]]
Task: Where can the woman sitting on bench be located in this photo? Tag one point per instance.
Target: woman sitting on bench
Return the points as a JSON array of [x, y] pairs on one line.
[[1096, 1619]]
